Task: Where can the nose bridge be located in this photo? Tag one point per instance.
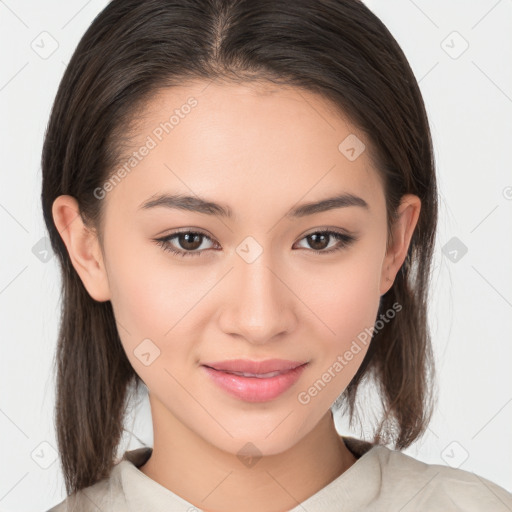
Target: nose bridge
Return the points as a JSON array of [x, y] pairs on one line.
[[260, 302]]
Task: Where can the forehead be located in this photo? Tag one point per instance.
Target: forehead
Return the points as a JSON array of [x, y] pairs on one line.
[[244, 145]]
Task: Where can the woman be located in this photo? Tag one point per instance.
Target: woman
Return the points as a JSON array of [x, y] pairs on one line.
[[243, 199]]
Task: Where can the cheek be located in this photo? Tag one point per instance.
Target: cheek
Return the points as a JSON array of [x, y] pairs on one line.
[[347, 307], [344, 297], [148, 316], [350, 316], [147, 287], [156, 303], [145, 303]]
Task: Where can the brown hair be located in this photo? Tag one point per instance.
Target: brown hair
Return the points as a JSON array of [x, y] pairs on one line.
[[336, 48]]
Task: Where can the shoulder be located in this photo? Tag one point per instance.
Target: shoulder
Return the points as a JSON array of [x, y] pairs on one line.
[[104, 495], [107, 494], [427, 487]]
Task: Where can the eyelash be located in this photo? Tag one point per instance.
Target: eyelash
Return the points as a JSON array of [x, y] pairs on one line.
[[164, 242]]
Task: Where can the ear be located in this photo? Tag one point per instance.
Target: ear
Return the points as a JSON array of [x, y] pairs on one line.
[[83, 247], [408, 214]]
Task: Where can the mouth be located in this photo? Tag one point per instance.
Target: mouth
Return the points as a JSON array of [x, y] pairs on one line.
[[254, 381], [254, 375], [254, 368]]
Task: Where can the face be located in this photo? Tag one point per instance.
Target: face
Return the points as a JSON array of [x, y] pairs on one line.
[[260, 283]]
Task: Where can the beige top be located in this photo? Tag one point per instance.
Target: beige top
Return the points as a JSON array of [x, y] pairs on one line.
[[380, 480]]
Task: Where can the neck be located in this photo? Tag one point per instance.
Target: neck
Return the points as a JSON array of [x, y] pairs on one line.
[[213, 479]]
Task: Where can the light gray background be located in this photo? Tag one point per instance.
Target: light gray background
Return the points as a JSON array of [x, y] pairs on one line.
[[468, 93]]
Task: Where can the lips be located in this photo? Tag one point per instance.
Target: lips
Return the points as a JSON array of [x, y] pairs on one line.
[[254, 381], [248, 368]]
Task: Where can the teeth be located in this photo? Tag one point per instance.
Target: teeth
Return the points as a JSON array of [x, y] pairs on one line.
[[258, 376]]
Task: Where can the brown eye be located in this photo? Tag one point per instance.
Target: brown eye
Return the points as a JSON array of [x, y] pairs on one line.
[[188, 243], [319, 240]]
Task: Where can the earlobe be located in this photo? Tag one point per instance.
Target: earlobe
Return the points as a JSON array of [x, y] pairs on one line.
[[403, 229], [83, 247]]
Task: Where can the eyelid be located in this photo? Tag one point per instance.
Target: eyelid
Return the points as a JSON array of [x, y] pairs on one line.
[[323, 229], [190, 229], [344, 238]]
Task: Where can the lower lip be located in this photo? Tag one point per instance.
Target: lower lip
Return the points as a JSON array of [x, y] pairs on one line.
[[254, 389]]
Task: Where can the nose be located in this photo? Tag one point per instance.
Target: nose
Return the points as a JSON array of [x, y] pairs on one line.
[[259, 304]]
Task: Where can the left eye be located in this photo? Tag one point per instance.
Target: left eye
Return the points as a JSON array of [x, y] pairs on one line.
[[318, 238], [190, 241]]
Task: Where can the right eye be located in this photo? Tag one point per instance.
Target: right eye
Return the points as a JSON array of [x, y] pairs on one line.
[[189, 240]]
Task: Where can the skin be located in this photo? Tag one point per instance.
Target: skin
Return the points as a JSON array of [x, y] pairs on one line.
[[261, 150]]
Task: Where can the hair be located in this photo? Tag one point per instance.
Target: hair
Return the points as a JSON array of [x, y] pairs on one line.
[[133, 49]]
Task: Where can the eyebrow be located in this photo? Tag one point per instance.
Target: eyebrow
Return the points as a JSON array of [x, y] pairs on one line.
[[200, 205]]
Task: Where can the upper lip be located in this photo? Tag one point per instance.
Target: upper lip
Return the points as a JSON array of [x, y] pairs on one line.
[[255, 367]]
